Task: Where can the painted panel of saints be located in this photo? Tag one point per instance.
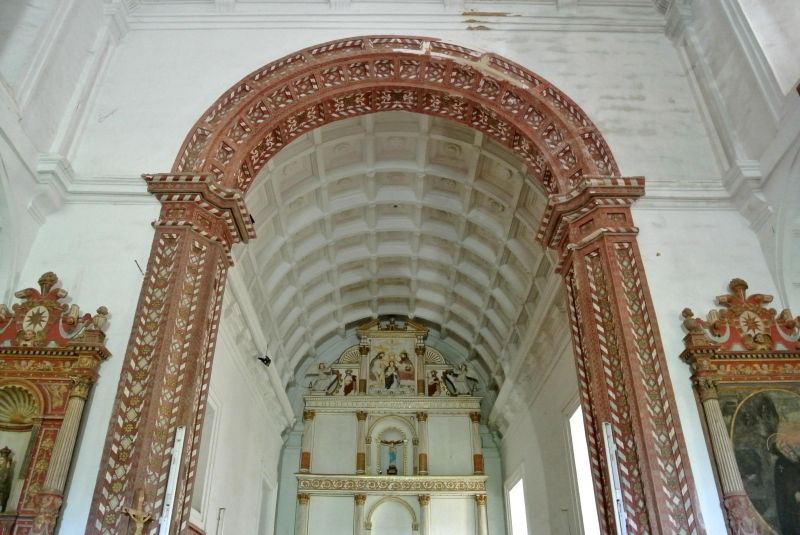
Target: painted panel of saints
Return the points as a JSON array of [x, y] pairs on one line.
[[391, 368], [764, 425]]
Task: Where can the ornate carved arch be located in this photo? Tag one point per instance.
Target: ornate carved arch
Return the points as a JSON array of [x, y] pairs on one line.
[[273, 105], [619, 358]]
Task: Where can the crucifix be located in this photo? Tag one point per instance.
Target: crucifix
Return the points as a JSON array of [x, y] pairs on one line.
[[137, 514], [392, 444]]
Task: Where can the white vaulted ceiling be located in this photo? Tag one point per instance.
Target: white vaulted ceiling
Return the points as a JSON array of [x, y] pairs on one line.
[[395, 213]]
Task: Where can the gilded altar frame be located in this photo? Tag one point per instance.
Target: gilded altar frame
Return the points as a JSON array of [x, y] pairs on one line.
[[50, 355], [745, 360]]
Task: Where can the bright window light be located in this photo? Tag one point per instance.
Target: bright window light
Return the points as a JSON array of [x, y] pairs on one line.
[[583, 473], [516, 506]]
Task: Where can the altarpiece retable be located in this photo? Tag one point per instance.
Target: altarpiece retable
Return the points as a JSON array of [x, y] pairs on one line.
[[391, 431]]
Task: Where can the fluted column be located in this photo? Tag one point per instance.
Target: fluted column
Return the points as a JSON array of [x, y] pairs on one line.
[[307, 441], [361, 442], [301, 518], [52, 495], [483, 518], [477, 451], [422, 435], [739, 512], [424, 514], [358, 514]]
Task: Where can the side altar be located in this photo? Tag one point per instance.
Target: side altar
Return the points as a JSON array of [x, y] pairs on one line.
[[391, 440]]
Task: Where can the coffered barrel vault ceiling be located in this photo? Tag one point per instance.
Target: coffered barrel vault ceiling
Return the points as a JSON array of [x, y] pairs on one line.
[[396, 213]]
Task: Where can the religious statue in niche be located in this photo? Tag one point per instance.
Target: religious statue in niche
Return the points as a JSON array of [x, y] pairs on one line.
[[326, 381], [434, 384], [349, 382], [764, 425], [391, 447], [461, 382], [6, 477]]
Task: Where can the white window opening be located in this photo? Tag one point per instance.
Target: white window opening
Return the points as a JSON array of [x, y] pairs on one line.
[[583, 475], [199, 494], [516, 509]]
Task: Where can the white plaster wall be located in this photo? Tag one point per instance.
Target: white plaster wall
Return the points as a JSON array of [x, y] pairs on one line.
[[248, 444], [330, 515], [451, 515], [93, 249], [449, 445], [631, 84], [537, 449], [334, 449]]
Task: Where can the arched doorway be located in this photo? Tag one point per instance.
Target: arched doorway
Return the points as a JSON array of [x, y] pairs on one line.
[[620, 362]]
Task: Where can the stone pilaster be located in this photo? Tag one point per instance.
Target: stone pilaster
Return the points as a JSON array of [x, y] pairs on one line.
[[422, 446], [361, 442], [420, 351], [307, 442], [358, 514], [483, 517], [301, 518], [167, 365], [363, 350], [622, 370], [477, 450], [424, 514]]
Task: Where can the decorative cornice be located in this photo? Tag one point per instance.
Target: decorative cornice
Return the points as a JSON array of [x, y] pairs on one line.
[[398, 404], [351, 484], [202, 191], [588, 195]]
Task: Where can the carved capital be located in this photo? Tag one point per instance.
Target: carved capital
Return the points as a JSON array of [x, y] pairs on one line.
[[422, 416], [594, 207], [308, 415], [360, 499], [48, 504], [480, 499], [81, 385], [706, 386], [303, 498], [361, 415], [200, 203], [424, 499], [475, 417]]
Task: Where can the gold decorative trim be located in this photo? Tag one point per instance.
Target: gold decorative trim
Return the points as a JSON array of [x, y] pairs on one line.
[[395, 404], [346, 484]]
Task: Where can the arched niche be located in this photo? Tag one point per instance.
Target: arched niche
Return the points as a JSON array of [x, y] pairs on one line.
[[391, 428], [391, 516], [21, 408]]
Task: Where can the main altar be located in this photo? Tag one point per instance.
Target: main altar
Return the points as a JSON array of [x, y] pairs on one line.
[[391, 441]]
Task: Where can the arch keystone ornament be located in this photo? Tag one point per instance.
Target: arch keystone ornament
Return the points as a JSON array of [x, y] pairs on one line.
[[620, 361]]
